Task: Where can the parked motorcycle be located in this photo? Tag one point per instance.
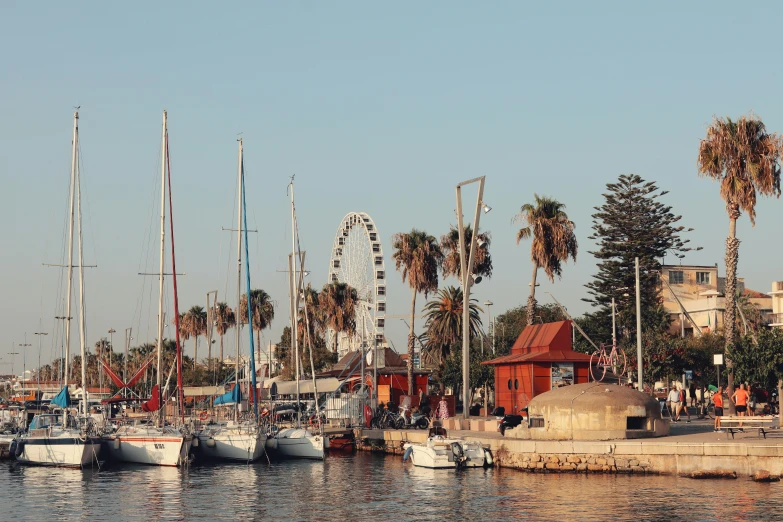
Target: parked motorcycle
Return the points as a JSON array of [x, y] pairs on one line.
[[416, 419], [509, 421]]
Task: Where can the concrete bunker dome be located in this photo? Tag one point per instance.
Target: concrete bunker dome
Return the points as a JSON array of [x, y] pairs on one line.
[[594, 411]]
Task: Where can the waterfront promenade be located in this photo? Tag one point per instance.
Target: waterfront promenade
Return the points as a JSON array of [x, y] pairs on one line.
[[692, 449]]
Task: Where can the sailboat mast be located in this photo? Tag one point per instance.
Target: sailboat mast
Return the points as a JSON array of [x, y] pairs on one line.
[[82, 326], [74, 145], [253, 390], [294, 299], [162, 256], [239, 277]]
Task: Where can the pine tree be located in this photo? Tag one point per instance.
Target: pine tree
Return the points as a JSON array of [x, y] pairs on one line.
[[631, 223]]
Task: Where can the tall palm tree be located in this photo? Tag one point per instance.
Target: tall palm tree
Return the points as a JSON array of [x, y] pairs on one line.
[[196, 324], [743, 157], [263, 311], [224, 319], [554, 241], [337, 306], [482, 260], [418, 256], [443, 324]]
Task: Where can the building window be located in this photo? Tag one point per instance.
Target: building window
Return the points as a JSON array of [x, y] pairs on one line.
[[676, 277], [516, 384], [509, 384], [702, 278]]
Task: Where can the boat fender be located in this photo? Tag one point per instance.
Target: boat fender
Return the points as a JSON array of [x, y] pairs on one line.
[[116, 443], [488, 460], [19, 448], [210, 442], [194, 442], [407, 453]]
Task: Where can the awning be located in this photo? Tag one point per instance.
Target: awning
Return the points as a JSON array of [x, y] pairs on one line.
[[327, 385], [201, 391]]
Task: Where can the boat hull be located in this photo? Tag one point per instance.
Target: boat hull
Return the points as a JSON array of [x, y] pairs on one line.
[[68, 452], [297, 444], [438, 454], [232, 445], [150, 448]]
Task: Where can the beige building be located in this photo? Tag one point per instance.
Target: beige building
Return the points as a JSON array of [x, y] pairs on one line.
[[698, 292]]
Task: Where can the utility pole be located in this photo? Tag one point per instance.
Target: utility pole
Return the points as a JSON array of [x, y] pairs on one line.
[[112, 331], [639, 328], [614, 326], [489, 304]]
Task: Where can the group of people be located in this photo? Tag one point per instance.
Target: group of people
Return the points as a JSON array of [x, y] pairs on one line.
[[677, 402]]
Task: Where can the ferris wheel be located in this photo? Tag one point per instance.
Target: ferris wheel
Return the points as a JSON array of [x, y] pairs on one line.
[[357, 259]]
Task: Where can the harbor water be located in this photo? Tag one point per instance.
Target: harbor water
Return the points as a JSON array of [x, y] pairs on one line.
[[365, 487]]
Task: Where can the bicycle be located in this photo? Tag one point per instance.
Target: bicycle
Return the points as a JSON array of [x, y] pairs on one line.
[[706, 409], [600, 360]]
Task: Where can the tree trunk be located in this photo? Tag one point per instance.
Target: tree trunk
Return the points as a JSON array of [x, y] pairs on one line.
[[531, 300], [411, 345], [195, 353], [730, 292], [221, 348]]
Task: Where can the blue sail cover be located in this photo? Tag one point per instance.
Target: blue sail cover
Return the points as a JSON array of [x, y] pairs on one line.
[[231, 397], [62, 399]]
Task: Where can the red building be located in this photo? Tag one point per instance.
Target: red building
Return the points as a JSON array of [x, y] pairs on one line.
[[541, 359]]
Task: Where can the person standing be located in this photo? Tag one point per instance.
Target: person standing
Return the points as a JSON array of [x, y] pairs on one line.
[[740, 399], [674, 403], [717, 399], [683, 405]]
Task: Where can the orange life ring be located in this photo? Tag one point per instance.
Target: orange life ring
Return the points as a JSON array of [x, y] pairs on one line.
[[204, 415]]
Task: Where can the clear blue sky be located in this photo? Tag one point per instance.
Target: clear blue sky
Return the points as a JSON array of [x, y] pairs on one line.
[[380, 108]]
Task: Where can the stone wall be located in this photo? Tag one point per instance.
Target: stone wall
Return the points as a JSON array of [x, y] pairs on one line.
[[573, 463]]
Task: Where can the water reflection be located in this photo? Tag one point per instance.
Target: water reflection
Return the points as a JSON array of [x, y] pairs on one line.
[[363, 487]]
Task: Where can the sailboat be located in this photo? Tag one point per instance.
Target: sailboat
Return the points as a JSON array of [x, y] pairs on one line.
[[157, 443], [298, 442], [52, 439], [235, 440]]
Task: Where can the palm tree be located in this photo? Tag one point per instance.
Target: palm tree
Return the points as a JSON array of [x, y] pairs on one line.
[[743, 157], [418, 255], [553, 237], [224, 319], [263, 311], [195, 323], [337, 308], [444, 323], [482, 261]]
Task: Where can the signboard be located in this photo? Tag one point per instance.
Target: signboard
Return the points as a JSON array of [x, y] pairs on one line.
[[689, 375], [562, 374], [717, 359]]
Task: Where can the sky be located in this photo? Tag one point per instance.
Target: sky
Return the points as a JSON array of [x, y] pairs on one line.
[[377, 108]]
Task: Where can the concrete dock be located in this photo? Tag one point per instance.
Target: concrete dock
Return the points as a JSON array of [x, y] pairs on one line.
[[691, 450]]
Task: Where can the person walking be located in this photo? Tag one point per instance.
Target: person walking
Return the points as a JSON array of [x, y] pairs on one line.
[[692, 393], [683, 405], [674, 403], [717, 399]]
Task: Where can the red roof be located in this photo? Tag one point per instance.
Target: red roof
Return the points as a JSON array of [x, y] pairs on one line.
[[753, 294], [550, 342]]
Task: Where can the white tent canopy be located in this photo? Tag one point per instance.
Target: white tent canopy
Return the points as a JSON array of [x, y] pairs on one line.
[[327, 385], [200, 391]]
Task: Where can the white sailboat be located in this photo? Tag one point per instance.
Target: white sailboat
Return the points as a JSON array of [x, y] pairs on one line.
[[298, 442], [156, 443], [65, 441], [241, 441]]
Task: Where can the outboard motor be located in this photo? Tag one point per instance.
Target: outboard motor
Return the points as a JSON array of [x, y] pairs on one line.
[[19, 448], [460, 460]]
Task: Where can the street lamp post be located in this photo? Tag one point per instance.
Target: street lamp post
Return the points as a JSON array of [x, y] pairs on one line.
[[639, 328], [128, 339], [491, 330], [466, 275], [211, 318]]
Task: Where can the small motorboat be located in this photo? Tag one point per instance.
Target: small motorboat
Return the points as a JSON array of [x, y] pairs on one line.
[[440, 452], [342, 443]]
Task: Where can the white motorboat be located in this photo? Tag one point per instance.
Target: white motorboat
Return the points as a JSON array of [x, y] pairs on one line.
[[439, 452], [298, 443], [48, 442], [149, 445], [231, 441]]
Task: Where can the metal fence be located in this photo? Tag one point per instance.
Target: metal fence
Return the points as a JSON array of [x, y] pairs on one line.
[[346, 410]]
